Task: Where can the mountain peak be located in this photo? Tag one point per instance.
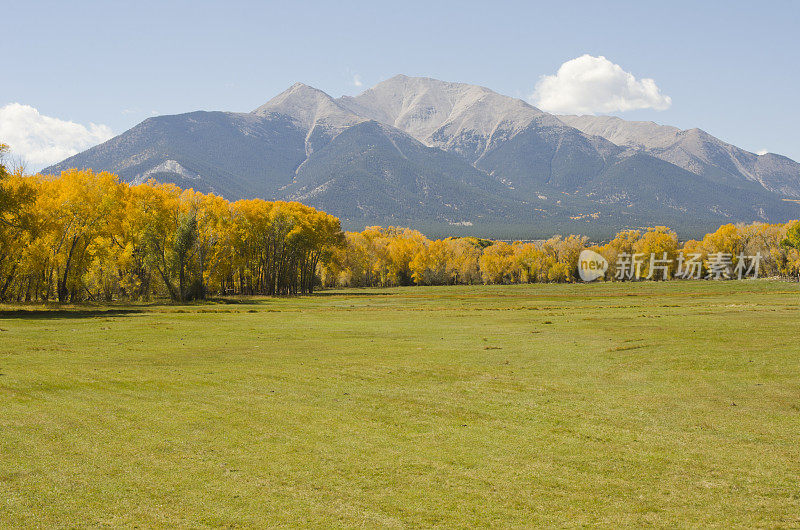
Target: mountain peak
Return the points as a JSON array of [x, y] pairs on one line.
[[311, 108], [428, 108], [397, 77]]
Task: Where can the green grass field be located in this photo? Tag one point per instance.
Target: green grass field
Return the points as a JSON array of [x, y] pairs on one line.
[[664, 404]]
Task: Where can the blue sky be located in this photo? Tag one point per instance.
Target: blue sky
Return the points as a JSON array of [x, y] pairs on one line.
[[731, 68]]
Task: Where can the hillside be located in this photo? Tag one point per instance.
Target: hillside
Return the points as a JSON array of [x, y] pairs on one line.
[[456, 158]]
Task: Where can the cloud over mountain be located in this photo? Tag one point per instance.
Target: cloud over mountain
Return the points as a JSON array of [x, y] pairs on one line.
[[41, 140], [588, 85]]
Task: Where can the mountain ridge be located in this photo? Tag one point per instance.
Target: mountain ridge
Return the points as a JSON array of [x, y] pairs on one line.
[[694, 150], [391, 153]]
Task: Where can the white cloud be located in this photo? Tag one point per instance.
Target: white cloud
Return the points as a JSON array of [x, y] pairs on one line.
[[762, 152], [42, 140], [587, 85], [357, 80]]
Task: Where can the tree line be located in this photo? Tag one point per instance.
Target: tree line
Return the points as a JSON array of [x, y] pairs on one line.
[[86, 236], [400, 256]]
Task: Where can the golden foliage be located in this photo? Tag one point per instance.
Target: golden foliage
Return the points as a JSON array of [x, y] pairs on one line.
[[85, 236]]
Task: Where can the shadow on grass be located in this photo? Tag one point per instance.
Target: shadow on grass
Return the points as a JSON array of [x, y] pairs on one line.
[[351, 293], [48, 314]]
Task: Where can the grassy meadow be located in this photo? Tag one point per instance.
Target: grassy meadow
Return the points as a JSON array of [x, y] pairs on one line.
[[649, 404]]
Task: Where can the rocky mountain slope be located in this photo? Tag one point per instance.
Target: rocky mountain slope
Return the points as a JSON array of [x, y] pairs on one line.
[[456, 158], [695, 150]]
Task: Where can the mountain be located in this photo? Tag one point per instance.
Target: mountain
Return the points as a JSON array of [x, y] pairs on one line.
[[454, 116], [453, 158], [313, 111], [416, 182], [697, 151], [231, 154]]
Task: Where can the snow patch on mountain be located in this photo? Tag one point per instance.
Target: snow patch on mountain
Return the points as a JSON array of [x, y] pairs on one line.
[[168, 166]]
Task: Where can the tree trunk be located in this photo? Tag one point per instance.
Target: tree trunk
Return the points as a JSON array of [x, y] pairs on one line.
[[62, 291]]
